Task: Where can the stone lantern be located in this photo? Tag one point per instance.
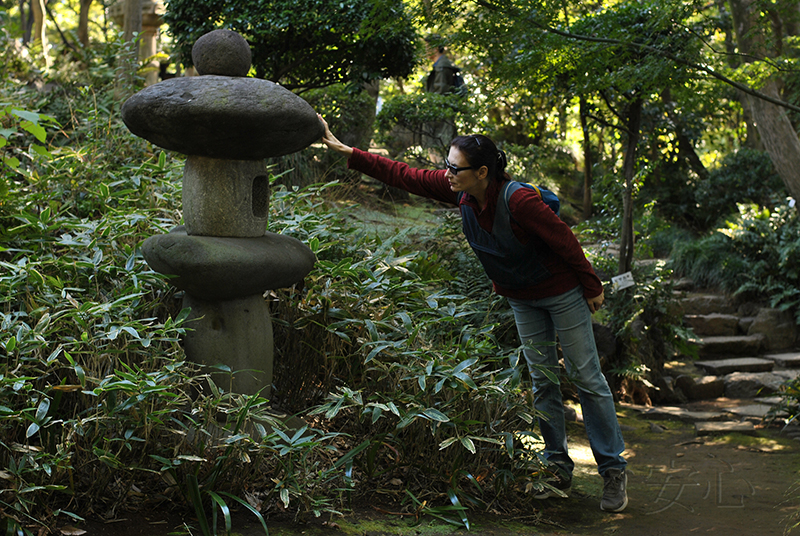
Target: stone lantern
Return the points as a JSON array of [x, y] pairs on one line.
[[152, 19], [222, 257]]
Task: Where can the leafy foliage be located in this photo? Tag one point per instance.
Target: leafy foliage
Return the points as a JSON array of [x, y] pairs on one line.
[[414, 120], [646, 320], [306, 44], [633, 40], [13, 64], [394, 351], [744, 176], [96, 397], [22, 139], [754, 255], [425, 377]]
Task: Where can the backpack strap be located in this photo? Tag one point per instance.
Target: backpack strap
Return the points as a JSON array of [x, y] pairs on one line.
[[548, 198], [508, 190]]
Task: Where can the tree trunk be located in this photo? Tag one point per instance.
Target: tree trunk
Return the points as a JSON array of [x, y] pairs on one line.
[[133, 22], [23, 23], [83, 22], [587, 163], [779, 137], [39, 33], [776, 131], [633, 122], [129, 62]]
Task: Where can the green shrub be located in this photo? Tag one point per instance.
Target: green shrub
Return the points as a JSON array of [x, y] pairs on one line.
[[744, 176], [407, 361], [409, 123], [96, 397], [755, 256], [648, 325]]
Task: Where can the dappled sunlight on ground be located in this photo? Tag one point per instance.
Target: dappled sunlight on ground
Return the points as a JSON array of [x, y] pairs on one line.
[[579, 449]]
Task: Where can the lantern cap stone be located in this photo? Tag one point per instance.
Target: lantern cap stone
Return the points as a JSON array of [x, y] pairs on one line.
[[222, 117]]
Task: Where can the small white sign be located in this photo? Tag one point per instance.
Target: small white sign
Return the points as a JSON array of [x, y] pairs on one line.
[[622, 281]]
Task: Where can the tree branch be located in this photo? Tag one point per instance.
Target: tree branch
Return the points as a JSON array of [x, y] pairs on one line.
[[741, 87], [606, 123], [63, 37], [737, 55], [610, 107]]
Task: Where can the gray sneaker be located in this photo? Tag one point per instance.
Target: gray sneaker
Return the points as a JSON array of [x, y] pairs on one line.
[[615, 495], [557, 482]]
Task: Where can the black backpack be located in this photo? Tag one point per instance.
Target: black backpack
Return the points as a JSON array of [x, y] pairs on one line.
[[459, 86]]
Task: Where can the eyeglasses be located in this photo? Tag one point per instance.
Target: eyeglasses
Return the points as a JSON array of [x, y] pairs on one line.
[[453, 169]]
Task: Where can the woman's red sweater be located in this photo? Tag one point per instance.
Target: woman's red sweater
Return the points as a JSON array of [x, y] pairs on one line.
[[532, 221]]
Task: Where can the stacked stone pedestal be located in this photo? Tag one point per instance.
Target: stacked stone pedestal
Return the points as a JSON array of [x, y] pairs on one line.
[[236, 333], [222, 257], [224, 260]]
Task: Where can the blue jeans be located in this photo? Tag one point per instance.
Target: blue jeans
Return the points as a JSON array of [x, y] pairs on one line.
[[568, 316]]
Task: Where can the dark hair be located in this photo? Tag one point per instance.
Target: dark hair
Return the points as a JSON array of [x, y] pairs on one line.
[[435, 41], [481, 151]]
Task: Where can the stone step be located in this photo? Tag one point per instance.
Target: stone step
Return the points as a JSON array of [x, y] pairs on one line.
[[721, 367], [789, 360], [719, 428], [725, 347], [714, 324], [675, 413], [778, 327], [706, 304], [769, 400], [754, 384], [704, 388], [756, 412]]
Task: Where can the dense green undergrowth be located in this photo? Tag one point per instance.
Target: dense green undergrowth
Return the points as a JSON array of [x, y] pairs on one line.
[[753, 255], [390, 356]]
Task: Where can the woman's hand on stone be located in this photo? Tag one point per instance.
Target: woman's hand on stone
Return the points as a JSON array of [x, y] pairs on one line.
[[596, 302], [332, 142]]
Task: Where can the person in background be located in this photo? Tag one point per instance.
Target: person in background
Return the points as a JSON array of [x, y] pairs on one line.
[[535, 261], [442, 78]]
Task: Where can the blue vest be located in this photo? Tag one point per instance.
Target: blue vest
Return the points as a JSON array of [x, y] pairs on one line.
[[507, 261]]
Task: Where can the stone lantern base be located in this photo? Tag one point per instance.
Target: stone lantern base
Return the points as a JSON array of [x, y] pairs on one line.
[[234, 333]]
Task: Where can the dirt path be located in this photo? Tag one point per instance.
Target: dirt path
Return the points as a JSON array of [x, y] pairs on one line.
[[679, 484]]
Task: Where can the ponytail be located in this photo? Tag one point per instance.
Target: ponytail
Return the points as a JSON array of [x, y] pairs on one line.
[[502, 162]]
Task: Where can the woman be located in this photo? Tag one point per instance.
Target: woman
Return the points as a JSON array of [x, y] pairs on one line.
[[535, 261]]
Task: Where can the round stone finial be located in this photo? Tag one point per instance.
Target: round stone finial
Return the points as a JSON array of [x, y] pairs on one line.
[[222, 52]]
